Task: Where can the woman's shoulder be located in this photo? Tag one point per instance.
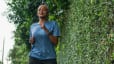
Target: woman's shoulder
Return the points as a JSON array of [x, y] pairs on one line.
[[52, 22], [33, 24]]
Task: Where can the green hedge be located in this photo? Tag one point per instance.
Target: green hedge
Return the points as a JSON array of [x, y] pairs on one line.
[[86, 29]]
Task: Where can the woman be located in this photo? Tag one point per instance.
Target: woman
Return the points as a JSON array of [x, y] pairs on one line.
[[43, 37]]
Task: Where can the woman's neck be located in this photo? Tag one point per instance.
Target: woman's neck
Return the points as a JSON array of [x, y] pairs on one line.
[[42, 21]]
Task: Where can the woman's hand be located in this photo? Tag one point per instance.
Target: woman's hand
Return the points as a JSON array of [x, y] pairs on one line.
[[32, 40], [42, 26], [54, 39]]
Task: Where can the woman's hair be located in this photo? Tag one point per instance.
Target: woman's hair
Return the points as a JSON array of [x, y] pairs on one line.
[[44, 5]]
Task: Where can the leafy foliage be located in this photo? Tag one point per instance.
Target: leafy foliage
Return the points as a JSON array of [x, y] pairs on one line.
[[0, 62], [86, 30]]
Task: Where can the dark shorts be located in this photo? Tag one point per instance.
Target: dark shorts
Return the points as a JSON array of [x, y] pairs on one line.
[[47, 61]]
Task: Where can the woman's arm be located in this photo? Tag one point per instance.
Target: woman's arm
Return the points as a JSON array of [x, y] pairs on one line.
[[31, 40], [54, 39]]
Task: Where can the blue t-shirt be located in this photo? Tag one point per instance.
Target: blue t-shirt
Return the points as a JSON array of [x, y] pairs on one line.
[[43, 48]]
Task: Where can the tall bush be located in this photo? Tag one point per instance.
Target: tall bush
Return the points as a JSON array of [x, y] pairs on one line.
[[86, 29]]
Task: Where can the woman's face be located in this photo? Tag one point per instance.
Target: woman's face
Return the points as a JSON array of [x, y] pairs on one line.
[[42, 11]]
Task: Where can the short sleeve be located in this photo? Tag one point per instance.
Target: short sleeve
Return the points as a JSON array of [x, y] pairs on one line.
[[56, 30]]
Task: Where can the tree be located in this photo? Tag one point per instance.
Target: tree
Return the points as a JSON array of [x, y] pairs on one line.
[[1, 62]]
